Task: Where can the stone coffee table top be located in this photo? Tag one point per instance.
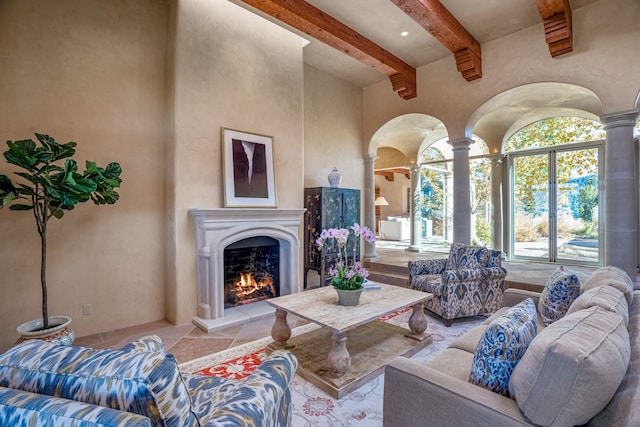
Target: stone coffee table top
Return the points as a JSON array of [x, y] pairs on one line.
[[320, 306]]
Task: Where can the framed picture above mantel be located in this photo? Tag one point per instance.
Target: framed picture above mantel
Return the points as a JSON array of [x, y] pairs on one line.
[[249, 177]]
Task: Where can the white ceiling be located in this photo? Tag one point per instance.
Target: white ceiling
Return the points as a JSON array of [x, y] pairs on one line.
[[382, 22], [486, 20]]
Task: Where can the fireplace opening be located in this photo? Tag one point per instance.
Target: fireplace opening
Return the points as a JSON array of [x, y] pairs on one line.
[[251, 271]]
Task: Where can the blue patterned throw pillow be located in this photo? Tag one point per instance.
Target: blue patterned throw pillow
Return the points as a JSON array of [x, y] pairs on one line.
[[502, 346], [562, 288]]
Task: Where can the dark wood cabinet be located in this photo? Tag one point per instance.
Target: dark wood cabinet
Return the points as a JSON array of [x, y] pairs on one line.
[[328, 208]]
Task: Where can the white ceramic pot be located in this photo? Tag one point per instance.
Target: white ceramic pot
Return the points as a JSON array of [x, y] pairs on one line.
[[58, 331], [335, 178]]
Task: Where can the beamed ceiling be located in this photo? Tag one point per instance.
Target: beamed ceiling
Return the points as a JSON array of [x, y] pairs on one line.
[[360, 40]]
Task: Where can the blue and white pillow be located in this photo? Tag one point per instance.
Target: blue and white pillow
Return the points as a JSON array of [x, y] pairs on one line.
[[502, 346], [562, 288]]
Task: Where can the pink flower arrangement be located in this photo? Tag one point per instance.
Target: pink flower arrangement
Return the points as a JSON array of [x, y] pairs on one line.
[[346, 276]]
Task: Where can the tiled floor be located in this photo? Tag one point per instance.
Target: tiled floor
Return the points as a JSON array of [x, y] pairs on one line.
[[187, 342]]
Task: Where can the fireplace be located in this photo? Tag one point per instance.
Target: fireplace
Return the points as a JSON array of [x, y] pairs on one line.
[[251, 271], [238, 231]]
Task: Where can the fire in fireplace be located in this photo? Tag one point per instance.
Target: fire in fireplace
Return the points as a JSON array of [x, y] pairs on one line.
[[251, 271]]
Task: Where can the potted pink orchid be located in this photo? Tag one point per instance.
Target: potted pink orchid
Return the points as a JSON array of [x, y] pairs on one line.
[[346, 276]]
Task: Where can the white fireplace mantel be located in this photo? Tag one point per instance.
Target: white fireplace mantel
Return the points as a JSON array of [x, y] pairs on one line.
[[218, 228]]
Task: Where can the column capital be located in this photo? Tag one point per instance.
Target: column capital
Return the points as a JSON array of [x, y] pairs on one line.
[[370, 158], [461, 143], [496, 159], [620, 118]]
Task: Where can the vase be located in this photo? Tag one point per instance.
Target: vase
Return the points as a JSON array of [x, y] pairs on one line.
[[348, 297], [334, 178], [58, 331]]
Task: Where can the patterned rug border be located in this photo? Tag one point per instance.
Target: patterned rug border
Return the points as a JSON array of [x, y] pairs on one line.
[[253, 346], [240, 350]]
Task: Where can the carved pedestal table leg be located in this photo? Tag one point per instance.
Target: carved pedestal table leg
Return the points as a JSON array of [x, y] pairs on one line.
[[418, 323], [281, 332], [338, 359]]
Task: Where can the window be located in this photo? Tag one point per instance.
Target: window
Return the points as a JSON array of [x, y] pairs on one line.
[[555, 190]]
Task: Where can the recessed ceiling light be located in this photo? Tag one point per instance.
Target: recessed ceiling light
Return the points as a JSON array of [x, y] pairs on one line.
[[404, 33]]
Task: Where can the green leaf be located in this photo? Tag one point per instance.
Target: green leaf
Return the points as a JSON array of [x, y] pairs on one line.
[[113, 170], [59, 151], [21, 153], [20, 207], [29, 177], [91, 168], [7, 198], [24, 190]]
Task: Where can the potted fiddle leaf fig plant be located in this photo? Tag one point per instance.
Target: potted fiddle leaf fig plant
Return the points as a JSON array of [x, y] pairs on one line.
[[50, 185]]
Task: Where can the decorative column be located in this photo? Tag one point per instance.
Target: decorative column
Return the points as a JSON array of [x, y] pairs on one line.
[[461, 191], [369, 197], [497, 174], [415, 244], [621, 205]]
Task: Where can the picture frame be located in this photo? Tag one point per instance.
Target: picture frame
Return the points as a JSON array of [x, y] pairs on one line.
[[248, 169]]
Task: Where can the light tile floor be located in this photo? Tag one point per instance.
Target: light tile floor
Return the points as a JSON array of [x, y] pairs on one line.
[[187, 342]]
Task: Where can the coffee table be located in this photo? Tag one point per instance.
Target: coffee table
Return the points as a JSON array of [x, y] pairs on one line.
[[351, 346]]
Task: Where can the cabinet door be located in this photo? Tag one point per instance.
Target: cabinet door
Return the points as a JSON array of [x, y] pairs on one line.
[[351, 215], [313, 226]]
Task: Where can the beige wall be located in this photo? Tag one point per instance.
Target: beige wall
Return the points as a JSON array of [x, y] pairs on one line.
[[228, 74], [149, 84], [604, 60], [392, 192], [332, 130], [91, 72]]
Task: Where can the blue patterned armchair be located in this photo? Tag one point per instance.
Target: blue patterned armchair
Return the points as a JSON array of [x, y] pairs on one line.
[[139, 385], [467, 283]]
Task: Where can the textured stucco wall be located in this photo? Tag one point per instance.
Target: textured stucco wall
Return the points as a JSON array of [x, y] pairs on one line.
[[227, 74], [90, 72], [332, 130]]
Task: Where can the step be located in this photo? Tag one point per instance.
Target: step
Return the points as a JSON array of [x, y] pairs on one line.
[[387, 268], [401, 280]]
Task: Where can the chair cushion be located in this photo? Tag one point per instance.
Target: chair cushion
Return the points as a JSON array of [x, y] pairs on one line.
[[562, 288], [572, 368], [466, 257], [428, 282], [152, 343], [502, 345], [22, 408], [144, 383], [612, 276], [603, 296]]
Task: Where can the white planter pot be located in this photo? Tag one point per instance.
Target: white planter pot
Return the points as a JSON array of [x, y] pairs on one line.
[[58, 331]]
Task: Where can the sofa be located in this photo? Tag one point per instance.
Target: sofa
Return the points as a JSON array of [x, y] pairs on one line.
[[469, 282], [581, 368], [47, 384]]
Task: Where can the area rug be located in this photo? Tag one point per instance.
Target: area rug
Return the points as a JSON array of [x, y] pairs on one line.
[[310, 405]]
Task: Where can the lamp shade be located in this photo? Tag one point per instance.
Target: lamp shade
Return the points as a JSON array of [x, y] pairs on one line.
[[381, 201]]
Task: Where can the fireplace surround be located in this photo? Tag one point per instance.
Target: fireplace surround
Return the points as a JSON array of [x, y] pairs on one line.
[[217, 229]]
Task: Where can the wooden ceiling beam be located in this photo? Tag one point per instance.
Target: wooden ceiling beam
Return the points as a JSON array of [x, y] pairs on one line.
[[441, 24], [556, 16], [312, 21], [389, 173]]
